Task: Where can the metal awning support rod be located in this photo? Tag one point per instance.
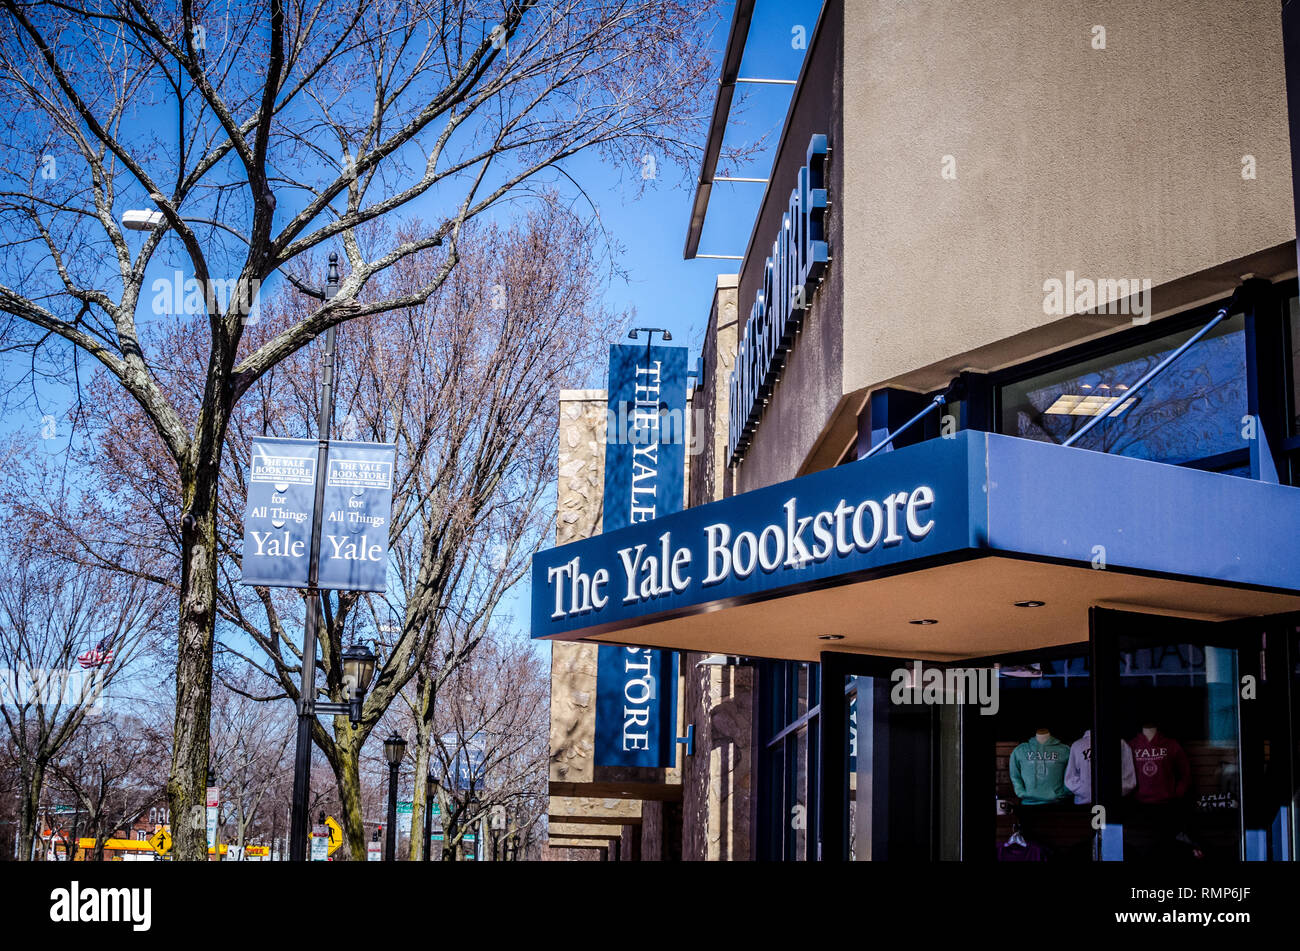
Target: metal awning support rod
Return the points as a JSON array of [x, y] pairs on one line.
[[931, 407], [1159, 368], [768, 82], [735, 178]]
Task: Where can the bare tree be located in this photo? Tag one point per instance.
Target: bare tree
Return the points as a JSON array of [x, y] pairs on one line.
[[250, 753], [52, 613], [288, 127], [491, 747], [111, 771]]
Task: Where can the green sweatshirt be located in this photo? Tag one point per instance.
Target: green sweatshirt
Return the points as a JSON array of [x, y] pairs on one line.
[[1038, 770]]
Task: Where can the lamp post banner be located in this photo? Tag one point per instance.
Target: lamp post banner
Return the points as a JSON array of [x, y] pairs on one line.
[[278, 519], [358, 508], [645, 465], [354, 532]]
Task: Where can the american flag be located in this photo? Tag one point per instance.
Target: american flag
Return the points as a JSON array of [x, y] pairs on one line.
[[101, 655]]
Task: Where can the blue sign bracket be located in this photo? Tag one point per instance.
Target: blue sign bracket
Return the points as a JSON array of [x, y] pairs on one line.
[[689, 739]]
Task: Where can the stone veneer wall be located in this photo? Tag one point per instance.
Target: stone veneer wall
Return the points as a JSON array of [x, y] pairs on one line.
[[717, 779], [579, 504]]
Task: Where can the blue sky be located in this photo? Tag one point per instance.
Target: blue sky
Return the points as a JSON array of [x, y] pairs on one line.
[[666, 290]]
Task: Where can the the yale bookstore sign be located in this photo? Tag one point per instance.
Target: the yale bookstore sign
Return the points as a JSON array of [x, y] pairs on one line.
[[790, 276], [969, 496], [847, 521], [645, 462]]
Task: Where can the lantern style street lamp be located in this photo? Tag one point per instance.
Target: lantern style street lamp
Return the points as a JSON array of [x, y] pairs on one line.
[[513, 843], [498, 824], [394, 750], [358, 670]]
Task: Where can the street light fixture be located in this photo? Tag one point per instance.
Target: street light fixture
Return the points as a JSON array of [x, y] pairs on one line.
[[498, 825], [649, 337], [631, 334], [513, 842], [358, 671], [394, 750], [359, 663]]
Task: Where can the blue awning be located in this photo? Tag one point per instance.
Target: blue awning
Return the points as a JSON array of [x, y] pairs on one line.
[[953, 526]]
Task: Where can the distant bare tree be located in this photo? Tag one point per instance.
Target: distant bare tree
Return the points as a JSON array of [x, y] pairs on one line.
[[251, 751], [50, 614], [490, 742], [111, 771]]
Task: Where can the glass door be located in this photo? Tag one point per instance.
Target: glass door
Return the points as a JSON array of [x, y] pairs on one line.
[[891, 780], [1189, 708]]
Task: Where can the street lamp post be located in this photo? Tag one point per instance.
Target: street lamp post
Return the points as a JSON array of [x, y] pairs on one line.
[[307, 690], [498, 825], [152, 220], [512, 843], [394, 750]]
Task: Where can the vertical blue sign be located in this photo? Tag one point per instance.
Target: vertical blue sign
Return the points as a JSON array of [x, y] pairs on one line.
[[645, 464], [358, 507], [278, 520]]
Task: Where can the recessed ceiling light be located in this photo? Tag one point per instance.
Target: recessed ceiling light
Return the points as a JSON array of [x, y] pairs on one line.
[[924, 620], [1030, 604], [830, 637], [1070, 404]]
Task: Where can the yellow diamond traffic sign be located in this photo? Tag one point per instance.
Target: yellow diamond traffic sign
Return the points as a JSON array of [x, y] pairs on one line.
[[336, 833], [161, 841]]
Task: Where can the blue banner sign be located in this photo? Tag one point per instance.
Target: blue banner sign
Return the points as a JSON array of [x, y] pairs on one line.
[[645, 463], [354, 531], [790, 278], [278, 519], [358, 503], [645, 436]]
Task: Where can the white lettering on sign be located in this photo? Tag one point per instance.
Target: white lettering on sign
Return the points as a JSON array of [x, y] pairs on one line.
[[277, 545], [645, 447], [661, 569], [638, 691], [790, 277]]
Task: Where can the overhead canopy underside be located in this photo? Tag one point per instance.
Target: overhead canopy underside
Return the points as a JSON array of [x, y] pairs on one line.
[[973, 602]]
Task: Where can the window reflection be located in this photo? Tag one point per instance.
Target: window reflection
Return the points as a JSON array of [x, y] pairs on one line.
[[1191, 411]]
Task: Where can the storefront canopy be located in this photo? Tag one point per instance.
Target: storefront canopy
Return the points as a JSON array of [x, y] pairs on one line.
[[956, 547]]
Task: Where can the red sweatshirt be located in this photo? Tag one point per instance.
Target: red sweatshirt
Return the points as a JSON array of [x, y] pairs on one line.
[[1162, 768]]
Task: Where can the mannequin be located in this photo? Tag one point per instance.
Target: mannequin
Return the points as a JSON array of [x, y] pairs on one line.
[[1163, 772], [1078, 774], [1037, 768]]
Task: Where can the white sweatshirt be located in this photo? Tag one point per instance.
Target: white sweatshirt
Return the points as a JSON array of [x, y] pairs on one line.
[[1078, 773]]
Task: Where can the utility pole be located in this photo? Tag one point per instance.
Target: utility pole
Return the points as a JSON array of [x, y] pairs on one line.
[[307, 692]]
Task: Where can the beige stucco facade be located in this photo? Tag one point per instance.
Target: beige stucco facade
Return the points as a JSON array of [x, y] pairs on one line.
[[986, 148]]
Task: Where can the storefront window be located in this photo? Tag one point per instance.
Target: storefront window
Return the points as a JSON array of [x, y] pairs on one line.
[[1178, 716], [788, 797], [1191, 411], [1040, 740]]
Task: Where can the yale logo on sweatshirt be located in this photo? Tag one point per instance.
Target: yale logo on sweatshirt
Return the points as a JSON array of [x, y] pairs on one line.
[[76, 904], [1048, 757]]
